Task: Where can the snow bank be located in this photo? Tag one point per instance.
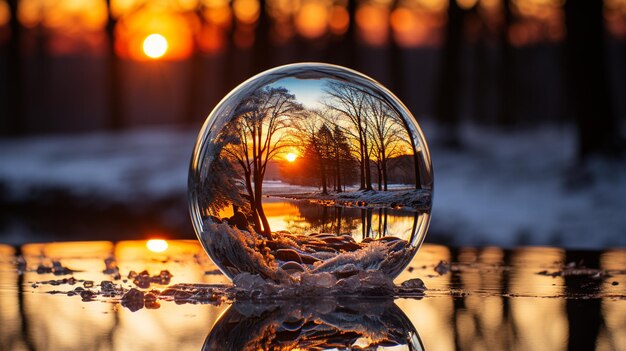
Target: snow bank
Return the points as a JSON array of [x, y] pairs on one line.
[[410, 199], [121, 167], [524, 188], [503, 189]]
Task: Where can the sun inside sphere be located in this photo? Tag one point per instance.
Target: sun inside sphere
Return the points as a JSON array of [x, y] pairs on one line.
[[357, 200], [291, 157]]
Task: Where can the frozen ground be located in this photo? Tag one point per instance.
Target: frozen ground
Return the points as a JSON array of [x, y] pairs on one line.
[[121, 167], [504, 189], [524, 188]]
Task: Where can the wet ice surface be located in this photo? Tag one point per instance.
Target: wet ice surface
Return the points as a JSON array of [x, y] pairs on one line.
[[544, 294]]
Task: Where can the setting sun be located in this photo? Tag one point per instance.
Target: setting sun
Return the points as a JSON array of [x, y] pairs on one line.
[[157, 245], [155, 45], [291, 157]]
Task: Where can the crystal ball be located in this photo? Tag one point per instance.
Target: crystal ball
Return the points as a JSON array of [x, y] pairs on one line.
[[314, 325], [310, 169]]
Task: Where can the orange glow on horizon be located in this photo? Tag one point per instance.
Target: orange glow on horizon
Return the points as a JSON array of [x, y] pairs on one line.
[[71, 27], [78, 27], [175, 29], [75, 16]]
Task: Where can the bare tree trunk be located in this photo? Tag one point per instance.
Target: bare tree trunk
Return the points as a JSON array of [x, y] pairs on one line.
[[258, 203], [416, 168], [339, 217], [338, 165], [255, 214], [448, 99], [380, 222], [380, 176], [369, 212], [364, 232], [384, 164], [261, 41], [588, 79], [507, 84], [16, 125], [362, 164], [398, 72], [368, 171], [416, 164], [195, 78], [480, 86], [385, 214], [584, 316], [323, 178], [351, 37], [414, 228], [324, 221], [116, 114]]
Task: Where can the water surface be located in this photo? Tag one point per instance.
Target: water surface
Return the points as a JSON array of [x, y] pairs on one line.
[[522, 299]]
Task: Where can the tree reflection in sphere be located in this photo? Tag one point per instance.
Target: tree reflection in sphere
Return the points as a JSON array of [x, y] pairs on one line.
[[310, 169]]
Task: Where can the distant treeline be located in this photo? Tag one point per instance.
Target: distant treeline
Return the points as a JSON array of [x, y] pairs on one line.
[[481, 65], [307, 173]]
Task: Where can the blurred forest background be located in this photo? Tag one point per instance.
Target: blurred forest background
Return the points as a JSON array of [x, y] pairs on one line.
[[531, 79]]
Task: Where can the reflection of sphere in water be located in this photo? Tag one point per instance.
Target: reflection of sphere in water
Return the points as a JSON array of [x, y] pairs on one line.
[[321, 325], [310, 169]]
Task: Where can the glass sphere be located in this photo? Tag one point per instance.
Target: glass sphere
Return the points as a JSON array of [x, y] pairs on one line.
[[310, 169], [317, 325]]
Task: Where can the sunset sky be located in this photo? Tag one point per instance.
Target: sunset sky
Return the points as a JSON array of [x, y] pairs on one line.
[[76, 26]]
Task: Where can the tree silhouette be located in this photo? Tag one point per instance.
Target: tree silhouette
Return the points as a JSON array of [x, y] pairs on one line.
[[221, 187], [343, 163], [260, 122], [15, 98], [116, 119], [407, 137], [349, 101], [448, 94], [325, 155], [588, 80], [385, 135], [506, 69], [311, 129]]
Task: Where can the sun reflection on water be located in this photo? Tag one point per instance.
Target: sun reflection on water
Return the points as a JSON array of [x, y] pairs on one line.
[[491, 299], [156, 245]]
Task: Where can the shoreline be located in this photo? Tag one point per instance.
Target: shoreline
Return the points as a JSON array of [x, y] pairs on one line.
[[408, 200]]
